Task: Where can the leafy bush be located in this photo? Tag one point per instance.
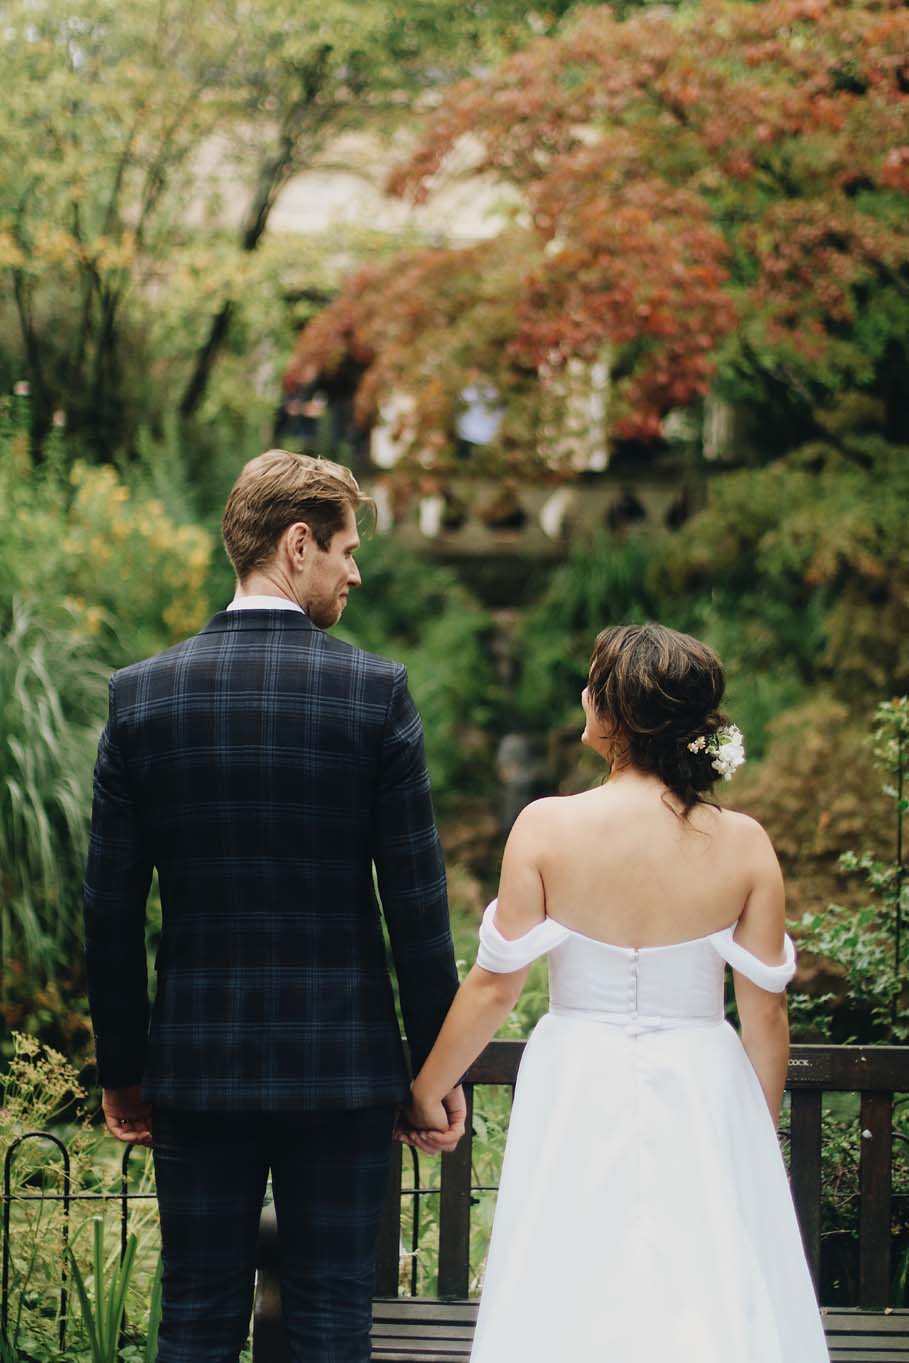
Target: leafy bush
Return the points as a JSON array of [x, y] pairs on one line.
[[809, 558], [869, 942], [797, 573], [608, 582], [420, 615], [601, 582], [91, 554], [103, 1316]]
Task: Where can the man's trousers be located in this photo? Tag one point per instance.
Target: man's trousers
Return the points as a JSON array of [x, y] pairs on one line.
[[329, 1172]]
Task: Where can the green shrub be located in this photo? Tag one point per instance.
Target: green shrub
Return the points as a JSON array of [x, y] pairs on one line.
[[602, 582], [90, 554], [420, 615], [870, 943], [808, 560]]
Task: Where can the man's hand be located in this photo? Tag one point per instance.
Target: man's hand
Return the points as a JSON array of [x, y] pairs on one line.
[[127, 1116], [420, 1123]]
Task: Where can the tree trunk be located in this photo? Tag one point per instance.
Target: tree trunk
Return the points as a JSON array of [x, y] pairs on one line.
[[272, 178], [205, 361], [305, 119]]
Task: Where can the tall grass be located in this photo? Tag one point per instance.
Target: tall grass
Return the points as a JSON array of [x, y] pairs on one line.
[[51, 708]]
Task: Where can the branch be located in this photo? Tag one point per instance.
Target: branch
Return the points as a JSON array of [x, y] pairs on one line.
[[305, 118], [119, 174], [22, 294], [89, 281]]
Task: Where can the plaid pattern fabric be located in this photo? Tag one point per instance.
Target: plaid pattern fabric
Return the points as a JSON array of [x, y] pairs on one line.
[[263, 767], [329, 1171]]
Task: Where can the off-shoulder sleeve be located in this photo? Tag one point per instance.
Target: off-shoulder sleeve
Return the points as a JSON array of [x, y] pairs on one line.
[[501, 956], [773, 978]]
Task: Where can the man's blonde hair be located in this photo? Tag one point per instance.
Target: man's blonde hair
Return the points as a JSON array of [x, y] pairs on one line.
[[275, 490]]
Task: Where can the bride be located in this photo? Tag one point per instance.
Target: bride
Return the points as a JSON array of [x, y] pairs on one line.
[[644, 1212]]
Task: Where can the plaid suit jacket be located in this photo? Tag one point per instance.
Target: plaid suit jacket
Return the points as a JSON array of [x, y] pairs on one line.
[[263, 767]]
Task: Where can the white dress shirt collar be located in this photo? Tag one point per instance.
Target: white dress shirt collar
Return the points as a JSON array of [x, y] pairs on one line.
[[264, 603]]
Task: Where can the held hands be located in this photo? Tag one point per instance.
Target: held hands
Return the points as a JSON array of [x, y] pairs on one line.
[[433, 1126], [127, 1116]]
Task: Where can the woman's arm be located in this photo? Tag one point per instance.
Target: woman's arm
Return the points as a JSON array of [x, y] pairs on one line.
[[485, 999], [763, 1015], [481, 1005], [765, 1036]]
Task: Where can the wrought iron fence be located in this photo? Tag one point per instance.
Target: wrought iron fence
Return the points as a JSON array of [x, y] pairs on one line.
[[67, 1197]]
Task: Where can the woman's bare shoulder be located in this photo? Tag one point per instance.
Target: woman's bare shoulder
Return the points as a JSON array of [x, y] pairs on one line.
[[539, 813], [550, 813], [746, 831]]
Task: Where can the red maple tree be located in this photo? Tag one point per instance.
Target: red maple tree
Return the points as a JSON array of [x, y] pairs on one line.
[[698, 186]]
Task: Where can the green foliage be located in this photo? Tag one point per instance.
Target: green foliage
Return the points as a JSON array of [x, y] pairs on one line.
[[608, 582], [144, 153], [41, 1091], [420, 615], [91, 552], [812, 557], [154, 1313], [103, 1316], [869, 943], [51, 688], [94, 572], [600, 583], [38, 1088]]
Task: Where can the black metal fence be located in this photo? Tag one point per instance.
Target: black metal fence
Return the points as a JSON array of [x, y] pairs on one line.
[[67, 1196]]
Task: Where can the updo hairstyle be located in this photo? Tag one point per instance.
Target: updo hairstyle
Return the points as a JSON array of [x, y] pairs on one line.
[[655, 690]]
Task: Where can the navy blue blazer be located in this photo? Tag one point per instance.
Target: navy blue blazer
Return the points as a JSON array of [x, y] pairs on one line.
[[264, 768]]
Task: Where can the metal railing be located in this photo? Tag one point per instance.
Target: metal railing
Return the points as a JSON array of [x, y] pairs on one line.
[[67, 1196], [876, 1074]]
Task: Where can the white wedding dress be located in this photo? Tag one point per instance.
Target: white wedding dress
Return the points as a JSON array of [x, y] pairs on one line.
[[644, 1215]]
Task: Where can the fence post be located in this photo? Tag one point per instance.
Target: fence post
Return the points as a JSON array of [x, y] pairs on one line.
[[454, 1212]]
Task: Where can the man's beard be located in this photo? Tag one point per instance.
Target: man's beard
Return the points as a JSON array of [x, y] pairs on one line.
[[325, 614]]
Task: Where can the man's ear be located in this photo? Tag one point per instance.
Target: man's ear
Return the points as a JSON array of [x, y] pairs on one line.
[[297, 538]]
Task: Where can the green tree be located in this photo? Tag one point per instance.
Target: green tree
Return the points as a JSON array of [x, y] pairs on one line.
[[106, 107], [112, 114]]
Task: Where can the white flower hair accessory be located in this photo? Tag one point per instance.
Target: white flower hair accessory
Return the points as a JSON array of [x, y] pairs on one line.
[[726, 747]]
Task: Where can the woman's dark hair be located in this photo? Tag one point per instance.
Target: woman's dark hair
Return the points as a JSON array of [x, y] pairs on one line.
[[655, 691]]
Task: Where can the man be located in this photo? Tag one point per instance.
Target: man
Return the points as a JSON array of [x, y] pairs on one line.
[[264, 768]]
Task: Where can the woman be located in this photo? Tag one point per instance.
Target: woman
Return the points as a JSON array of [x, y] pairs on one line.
[[644, 1212]]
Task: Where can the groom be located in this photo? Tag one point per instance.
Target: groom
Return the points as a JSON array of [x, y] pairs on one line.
[[264, 769]]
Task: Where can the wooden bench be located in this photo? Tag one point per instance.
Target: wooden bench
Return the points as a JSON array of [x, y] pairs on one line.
[[866, 1336], [406, 1329], [439, 1330]]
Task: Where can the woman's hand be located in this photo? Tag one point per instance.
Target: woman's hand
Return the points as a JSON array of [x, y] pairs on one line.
[[424, 1114], [433, 1140]]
